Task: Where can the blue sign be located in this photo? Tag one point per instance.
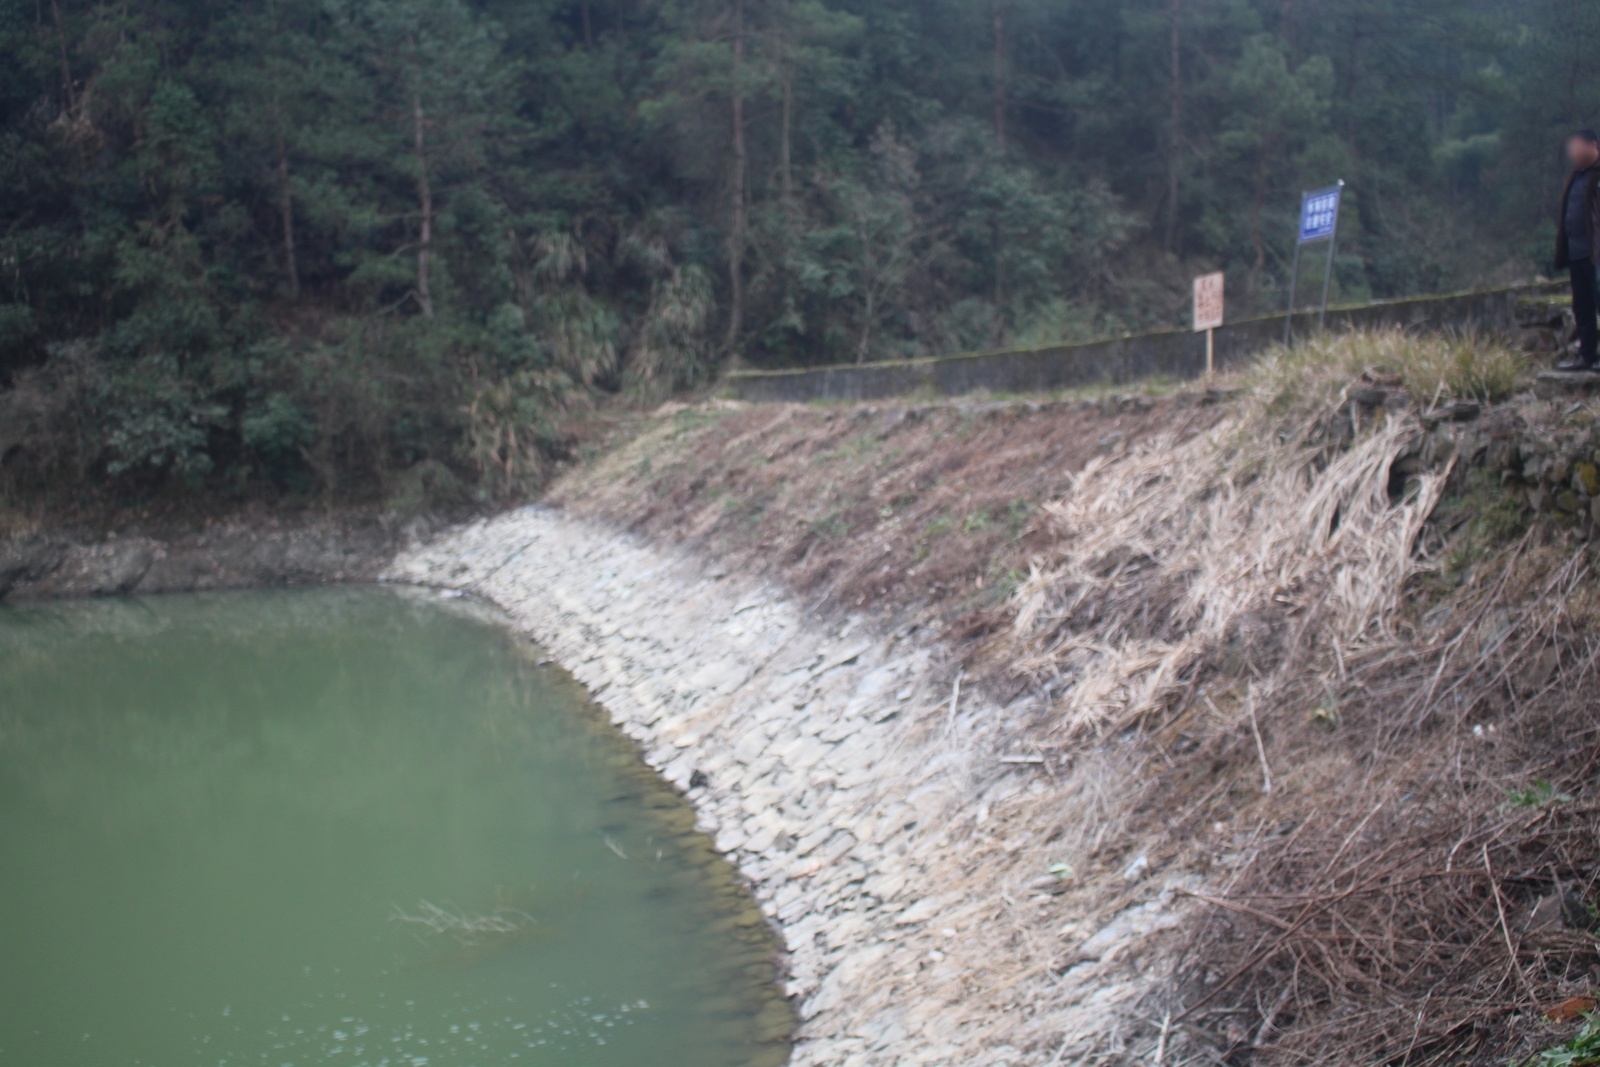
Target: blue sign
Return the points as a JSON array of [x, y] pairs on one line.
[[1319, 214]]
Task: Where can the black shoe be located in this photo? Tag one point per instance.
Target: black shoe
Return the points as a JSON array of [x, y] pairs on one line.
[[1578, 365]]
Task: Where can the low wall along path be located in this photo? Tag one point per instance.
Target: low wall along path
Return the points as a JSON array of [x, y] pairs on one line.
[[1171, 354], [828, 763]]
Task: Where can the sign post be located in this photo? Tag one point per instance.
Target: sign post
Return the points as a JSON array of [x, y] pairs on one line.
[[1319, 221], [1209, 312]]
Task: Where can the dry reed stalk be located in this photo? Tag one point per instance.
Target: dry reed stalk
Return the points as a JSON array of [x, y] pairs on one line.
[[1268, 569], [465, 929], [1412, 944], [1161, 555]]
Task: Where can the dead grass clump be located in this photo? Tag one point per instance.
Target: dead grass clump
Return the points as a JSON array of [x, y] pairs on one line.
[[1416, 934], [1418, 762], [1263, 525], [1428, 900], [466, 929], [1429, 367]]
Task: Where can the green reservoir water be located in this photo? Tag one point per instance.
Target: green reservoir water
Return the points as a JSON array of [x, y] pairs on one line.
[[221, 818]]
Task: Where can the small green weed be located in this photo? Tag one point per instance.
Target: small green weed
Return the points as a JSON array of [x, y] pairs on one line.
[[1002, 587], [753, 511], [1540, 794], [1017, 516], [1326, 714], [1583, 1050], [687, 422], [859, 447], [977, 522], [831, 526], [932, 532]]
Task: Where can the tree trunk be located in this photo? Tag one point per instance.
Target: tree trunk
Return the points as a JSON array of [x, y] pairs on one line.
[[867, 250], [869, 305], [425, 201], [865, 346], [1175, 141], [588, 27], [786, 139], [66, 68], [999, 75], [740, 165], [291, 264], [998, 333], [1257, 239]]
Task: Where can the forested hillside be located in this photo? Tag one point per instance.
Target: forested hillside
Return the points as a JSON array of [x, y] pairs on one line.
[[361, 248]]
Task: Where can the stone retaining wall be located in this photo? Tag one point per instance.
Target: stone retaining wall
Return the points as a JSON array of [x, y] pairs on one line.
[[1118, 361], [1548, 467], [833, 765]]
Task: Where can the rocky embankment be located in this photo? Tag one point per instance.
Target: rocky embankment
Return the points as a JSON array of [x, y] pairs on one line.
[[849, 778], [237, 554], [1540, 452], [958, 880]]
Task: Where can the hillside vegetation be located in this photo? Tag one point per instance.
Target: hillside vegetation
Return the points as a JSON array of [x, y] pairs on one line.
[[354, 250], [1316, 646]]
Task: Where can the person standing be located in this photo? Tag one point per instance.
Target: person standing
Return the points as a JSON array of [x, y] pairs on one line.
[[1578, 246]]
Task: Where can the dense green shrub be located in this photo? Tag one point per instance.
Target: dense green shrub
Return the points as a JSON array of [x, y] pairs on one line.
[[308, 245]]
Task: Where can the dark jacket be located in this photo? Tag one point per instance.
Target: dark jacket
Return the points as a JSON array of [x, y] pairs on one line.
[[1592, 176]]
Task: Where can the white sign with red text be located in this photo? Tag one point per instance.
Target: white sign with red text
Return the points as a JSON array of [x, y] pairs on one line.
[[1209, 302]]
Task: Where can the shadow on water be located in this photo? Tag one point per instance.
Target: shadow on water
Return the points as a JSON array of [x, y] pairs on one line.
[[352, 827]]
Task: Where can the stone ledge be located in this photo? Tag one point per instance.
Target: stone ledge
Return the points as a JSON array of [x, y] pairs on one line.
[[1559, 385], [1168, 354]]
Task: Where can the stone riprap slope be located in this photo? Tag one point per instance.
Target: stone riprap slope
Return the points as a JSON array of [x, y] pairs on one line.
[[877, 820]]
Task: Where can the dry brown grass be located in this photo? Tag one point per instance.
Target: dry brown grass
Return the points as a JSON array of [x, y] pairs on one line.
[[1429, 367], [1254, 594], [1385, 911], [1253, 676], [1268, 531], [927, 511]]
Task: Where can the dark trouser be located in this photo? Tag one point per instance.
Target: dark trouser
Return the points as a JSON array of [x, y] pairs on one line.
[[1585, 301]]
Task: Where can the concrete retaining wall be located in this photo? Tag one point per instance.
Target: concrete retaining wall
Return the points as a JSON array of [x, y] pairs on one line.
[[1116, 361]]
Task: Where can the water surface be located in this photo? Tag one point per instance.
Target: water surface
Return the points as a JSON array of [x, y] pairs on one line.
[[221, 817]]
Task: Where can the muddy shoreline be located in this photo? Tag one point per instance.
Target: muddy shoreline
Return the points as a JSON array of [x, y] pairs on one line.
[[242, 552]]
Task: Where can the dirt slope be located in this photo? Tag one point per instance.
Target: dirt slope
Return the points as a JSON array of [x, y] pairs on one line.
[[1327, 647], [927, 514]]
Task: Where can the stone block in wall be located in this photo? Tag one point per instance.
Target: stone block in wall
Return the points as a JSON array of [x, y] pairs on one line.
[[1586, 477], [1556, 385]]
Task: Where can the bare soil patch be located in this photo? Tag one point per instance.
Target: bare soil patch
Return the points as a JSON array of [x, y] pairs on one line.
[[924, 513]]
